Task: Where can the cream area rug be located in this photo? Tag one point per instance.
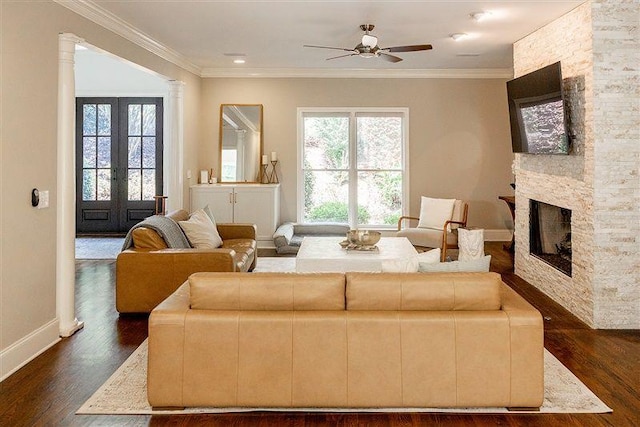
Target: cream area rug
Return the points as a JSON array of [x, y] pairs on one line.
[[125, 393]]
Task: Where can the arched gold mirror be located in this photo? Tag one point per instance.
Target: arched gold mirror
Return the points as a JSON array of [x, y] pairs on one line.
[[240, 142]]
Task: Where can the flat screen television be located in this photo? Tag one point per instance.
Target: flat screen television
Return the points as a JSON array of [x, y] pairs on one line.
[[537, 112]]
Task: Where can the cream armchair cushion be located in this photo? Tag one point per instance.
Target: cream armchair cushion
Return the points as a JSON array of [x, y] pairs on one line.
[[435, 212]]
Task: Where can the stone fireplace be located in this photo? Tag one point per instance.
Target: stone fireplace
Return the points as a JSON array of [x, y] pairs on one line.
[[550, 235], [597, 182]]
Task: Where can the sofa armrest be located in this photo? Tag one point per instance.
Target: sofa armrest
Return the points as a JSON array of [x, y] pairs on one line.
[[145, 278], [283, 235], [237, 231], [527, 348], [166, 348]]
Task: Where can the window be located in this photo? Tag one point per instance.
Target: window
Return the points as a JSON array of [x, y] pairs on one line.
[[352, 166]]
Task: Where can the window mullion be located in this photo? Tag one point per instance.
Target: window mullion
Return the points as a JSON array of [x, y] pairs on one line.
[[353, 172]]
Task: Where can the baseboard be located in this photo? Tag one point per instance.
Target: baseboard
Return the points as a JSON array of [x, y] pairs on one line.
[[28, 348]]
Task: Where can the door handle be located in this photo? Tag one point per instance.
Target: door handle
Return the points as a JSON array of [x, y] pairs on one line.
[[230, 197], [235, 197]]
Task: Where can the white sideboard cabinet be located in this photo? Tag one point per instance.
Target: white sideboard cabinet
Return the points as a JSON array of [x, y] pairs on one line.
[[257, 204]]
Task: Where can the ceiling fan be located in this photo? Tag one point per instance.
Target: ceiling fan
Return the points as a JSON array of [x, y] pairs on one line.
[[368, 47]]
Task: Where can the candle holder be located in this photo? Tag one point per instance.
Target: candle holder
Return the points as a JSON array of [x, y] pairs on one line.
[[264, 178], [273, 178]]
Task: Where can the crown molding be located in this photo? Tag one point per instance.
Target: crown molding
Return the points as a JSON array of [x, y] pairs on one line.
[[445, 73], [88, 9]]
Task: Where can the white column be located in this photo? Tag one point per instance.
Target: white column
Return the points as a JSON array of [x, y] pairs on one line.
[[66, 190], [174, 162]]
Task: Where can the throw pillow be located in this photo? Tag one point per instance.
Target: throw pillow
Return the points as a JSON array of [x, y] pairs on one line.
[[472, 266], [409, 265], [209, 214], [201, 231], [429, 257], [435, 212], [471, 244]]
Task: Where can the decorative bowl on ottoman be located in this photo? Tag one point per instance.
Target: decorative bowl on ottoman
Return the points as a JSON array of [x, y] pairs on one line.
[[363, 238]]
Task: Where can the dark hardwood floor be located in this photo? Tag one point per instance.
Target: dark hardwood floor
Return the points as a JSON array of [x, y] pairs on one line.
[[49, 390]]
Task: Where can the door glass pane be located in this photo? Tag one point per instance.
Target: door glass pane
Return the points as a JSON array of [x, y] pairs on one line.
[[379, 197], [148, 152], [149, 119], [135, 152], [148, 184], [88, 184], [326, 142], [379, 142], [104, 152], [326, 196], [89, 119], [104, 119], [134, 184], [104, 184], [135, 125], [88, 152]]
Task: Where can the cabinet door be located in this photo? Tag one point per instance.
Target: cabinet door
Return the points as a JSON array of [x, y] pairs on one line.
[[256, 205], [219, 199]]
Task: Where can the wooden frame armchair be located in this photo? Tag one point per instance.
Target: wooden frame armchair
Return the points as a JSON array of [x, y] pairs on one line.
[[445, 238]]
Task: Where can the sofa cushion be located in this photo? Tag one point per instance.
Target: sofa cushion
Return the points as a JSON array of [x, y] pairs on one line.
[[322, 229], [417, 291], [201, 231], [267, 291], [146, 238]]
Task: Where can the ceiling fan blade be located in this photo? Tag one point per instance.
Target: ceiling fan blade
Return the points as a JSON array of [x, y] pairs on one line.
[[342, 56], [328, 47], [413, 48], [390, 58]]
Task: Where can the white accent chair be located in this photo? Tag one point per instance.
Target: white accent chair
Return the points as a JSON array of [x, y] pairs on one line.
[[429, 235]]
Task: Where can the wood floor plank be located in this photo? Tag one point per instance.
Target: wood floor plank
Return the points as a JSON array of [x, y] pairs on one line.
[[50, 389]]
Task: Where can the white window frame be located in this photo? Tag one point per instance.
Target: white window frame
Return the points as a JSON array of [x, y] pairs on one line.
[[353, 193]]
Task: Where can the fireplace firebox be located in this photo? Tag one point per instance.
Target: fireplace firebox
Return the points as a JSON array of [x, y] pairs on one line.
[[550, 235]]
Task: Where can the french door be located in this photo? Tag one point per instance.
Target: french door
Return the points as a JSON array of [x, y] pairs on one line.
[[118, 162]]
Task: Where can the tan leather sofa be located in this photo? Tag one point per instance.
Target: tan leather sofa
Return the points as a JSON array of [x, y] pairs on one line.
[[149, 272], [332, 340]]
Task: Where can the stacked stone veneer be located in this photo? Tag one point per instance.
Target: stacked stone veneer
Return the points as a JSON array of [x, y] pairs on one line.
[[598, 45]]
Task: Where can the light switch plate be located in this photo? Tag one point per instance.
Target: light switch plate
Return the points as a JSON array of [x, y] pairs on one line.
[[44, 199]]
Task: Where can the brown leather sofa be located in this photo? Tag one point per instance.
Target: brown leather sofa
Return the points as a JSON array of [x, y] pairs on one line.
[[332, 340], [149, 272]]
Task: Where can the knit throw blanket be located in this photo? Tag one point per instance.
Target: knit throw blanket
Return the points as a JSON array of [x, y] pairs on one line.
[[167, 228]]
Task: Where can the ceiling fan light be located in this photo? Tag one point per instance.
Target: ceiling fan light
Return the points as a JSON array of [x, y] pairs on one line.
[[480, 16], [370, 41], [459, 36]]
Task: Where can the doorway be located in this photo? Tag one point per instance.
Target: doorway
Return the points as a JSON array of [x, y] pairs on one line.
[[119, 150]]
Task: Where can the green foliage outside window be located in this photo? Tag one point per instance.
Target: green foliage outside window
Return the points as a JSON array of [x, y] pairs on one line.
[[336, 212]]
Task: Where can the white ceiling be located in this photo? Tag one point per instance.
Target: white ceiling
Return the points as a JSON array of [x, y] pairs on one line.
[[271, 33]]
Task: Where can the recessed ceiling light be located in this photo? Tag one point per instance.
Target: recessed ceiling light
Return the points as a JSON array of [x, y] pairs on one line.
[[480, 16], [459, 36], [239, 61]]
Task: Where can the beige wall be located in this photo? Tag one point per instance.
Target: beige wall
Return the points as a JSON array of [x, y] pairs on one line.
[[459, 132], [28, 154]]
